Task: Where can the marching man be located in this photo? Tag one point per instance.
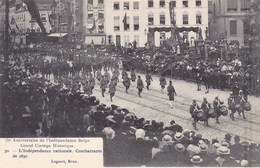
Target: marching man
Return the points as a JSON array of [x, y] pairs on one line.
[[140, 85], [216, 105], [112, 89], [171, 93], [103, 85], [126, 82], [133, 76], [241, 101], [205, 106], [231, 105], [162, 83], [148, 80], [194, 107]]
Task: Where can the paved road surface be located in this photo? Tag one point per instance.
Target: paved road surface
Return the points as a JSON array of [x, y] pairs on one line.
[[154, 106]]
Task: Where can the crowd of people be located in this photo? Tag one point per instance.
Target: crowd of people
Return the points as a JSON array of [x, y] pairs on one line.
[[35, 105]]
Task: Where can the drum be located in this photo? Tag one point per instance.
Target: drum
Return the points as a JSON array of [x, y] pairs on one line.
[[203, 117], [247, 106], [223, 110], [237, 106], [212, 113], [200, 113]]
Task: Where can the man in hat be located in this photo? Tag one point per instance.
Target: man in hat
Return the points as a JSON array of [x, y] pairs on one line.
[[216, 106], [162, 82], [224, 159], [231, 105], [171, 92], [194, 107], [112, 90], [148, 80], [205, 106], [140, 85], [126, 82], [103, 85]]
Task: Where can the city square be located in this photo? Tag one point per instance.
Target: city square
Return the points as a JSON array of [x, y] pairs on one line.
[[164, 83]]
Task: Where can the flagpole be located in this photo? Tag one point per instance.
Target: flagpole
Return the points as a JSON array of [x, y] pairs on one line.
[[6, 54]]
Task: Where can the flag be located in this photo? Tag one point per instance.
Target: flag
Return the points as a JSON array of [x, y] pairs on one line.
[[171, 8], [125, 21], [94, 26]]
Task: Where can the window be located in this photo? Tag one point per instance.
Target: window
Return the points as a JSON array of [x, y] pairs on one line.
[[185, 4], [162, 3], [245, 5], [126, 5], [136, 22], [101, 28], [116, 23], [116, 6], [100, 15], [233, 27], [100, 1], [246, 24], [232, 5], [185, 19], [198, 18], [126, 39], [150, 3], [136, 5], [162, 19], [174, 3], [198, 3], [162, 36], [127, 25], [150, 19], [90, 2], [90, 15], [136, 38]]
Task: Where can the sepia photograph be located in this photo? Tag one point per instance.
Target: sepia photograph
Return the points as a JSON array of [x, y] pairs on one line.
[[162, 83]]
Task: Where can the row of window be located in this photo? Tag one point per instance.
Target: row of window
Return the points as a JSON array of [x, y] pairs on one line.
[[126, 5], [232, 5], [90, 2], [117, 22]]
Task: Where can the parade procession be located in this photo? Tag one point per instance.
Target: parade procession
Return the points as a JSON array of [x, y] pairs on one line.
[[168, 94]]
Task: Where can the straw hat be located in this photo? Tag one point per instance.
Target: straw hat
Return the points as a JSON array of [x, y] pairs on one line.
[[196, 159], [222, 150], [178, 136], [179, 147]]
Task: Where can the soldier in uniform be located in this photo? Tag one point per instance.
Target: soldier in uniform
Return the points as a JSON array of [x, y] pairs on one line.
[[112, 90], [216, 106], [198, 80], [231, 105], [92, 82], [126, 82], [103, 85], [194, 107], [123, 73], [171, 93], [133, 76], [162, 82], [140, 85], [205, 106], [148, 80], [206, 79]]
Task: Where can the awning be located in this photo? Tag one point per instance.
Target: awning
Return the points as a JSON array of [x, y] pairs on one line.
[[57, 34]]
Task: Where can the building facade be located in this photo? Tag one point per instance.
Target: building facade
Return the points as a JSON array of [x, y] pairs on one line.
[[93, 25], [231, 19], [132, 20]]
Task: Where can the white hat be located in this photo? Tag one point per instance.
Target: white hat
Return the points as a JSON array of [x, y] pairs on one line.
[[178, 136], [196, 159], [140, 133], [222, 150], [244, 163], [167, 138], [109, 132]]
